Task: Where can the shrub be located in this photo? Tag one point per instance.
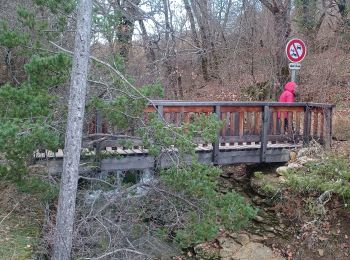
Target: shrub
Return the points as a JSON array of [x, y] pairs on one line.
[[341, 128], [215, 209], [331, 174]]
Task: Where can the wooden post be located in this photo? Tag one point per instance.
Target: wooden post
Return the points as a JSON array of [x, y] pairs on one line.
[[160, 112], [264, 133], [328, 128], [307, 125], [217, 143]]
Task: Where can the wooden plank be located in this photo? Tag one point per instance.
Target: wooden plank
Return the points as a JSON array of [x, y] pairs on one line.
[[150, 109], [290, 122], [264, 133], [160, 112], [224, 128], [197, 109], [241, 123], [307, 125], [241, 109], [127, 163], [274, 123], [257, 118], [315, 123], [240, 139], [287, 109], [322, 115], [249, 128], [328, 129], [216, 144], [238, 104], [232, 124], [297, 123]]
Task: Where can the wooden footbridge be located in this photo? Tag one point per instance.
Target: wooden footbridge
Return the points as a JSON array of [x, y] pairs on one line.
[[252, 132]]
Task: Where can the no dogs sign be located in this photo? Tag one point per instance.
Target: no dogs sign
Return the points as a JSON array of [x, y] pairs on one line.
[[296, 50]]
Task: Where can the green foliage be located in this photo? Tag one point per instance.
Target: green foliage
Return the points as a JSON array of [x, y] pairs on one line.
[[126, 108], [11, 38], [38, 187], [48, 71], [331, 174], [156, 135], [26, 113], [216, 210], [18, 140]]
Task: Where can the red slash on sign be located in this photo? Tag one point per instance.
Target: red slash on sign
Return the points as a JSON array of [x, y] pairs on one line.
[[296, 50]]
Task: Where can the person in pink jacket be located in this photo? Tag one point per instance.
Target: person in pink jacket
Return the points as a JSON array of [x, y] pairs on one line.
[[287, 96]]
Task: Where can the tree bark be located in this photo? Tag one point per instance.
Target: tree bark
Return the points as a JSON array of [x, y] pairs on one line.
[[282, 27], [76, 109]]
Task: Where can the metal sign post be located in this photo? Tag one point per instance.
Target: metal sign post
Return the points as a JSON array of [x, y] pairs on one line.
[[295, 51]]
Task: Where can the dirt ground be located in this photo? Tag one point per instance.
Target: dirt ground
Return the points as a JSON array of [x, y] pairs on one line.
[[21, 216]]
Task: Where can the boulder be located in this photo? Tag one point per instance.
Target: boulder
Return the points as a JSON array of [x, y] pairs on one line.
[[282, 170], [255, 250], [250, 251]]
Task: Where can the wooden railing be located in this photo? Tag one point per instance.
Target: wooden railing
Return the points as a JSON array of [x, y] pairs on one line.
[[250, 125], [256, 123]]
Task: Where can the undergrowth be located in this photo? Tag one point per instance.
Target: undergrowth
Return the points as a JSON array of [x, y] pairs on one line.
[[215, 210], [332, 174]]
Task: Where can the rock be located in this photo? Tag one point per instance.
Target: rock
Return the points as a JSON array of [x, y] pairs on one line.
[[304, 159], [229, 247], [294, 166], [270, 235], [257, 238], [256, 251], [321, 252], [243, 239], [302, 152], [293, 156], [269, 229], [282, 170], [205, 251], [259, 219]]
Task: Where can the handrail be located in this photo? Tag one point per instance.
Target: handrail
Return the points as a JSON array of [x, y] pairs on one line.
[[236, 103]]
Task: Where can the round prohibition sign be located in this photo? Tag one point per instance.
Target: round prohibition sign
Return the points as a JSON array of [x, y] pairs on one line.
[[296, 50]]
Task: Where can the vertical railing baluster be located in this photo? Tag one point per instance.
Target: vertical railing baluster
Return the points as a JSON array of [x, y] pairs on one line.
[[307, 125], [160, 112], [217, 143], [328, 128], [264, 133]]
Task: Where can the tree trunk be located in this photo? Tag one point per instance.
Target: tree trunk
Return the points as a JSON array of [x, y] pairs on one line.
[[282, 29], [205, 43], [126, 29], [203, 58], [76, 109], [171, 70]]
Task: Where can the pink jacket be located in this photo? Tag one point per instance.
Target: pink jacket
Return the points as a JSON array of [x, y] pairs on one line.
[[287, 95]]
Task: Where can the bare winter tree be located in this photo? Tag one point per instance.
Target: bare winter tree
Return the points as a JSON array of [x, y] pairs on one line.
[[280, 9], [76, 109]]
